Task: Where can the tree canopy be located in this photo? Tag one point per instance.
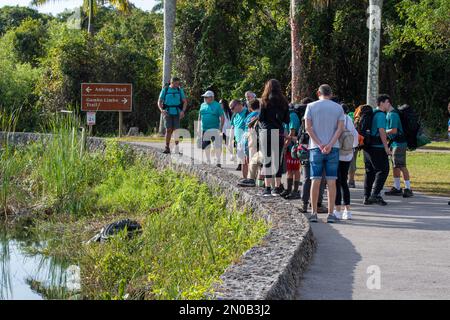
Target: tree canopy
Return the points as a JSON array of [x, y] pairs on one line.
[[229, 46]]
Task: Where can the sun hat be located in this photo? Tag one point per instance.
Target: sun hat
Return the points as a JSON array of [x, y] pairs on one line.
[[208, 94]]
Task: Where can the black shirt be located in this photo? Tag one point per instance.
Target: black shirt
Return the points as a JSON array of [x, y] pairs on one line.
[[274, 115]]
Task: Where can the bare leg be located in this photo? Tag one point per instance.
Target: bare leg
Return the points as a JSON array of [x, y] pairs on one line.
[[245, 169], [277, 182], [315, 186], [331, 195], [405, 172], [168, 136]]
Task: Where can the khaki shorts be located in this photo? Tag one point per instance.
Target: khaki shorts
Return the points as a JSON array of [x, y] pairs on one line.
[[399, 157]]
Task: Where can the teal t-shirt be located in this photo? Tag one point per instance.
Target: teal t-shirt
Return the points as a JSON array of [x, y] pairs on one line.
[[294, 123], [238, 123], [173, 99], [393, 121], [210, 115], [379, 121]]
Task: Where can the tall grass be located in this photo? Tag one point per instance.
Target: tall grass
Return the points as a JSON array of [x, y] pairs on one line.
[[9, 160], [63, 167]]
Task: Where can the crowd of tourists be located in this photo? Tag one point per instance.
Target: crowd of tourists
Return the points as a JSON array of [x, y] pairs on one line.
[[314, 143]]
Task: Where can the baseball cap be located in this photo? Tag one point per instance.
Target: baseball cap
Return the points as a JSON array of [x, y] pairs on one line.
[[208, 94]]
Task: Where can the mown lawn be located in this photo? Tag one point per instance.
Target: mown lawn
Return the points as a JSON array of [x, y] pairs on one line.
[[440, 145], [430, 172]]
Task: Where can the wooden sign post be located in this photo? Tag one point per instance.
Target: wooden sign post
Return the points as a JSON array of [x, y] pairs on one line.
[[117, 97]]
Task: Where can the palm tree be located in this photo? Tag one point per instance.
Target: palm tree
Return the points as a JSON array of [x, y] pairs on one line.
[[375, 7], [170, 7], [91, 5]]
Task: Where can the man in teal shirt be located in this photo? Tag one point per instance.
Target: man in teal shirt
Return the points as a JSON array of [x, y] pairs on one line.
[[399, 145], [172, 103], [211, 117]]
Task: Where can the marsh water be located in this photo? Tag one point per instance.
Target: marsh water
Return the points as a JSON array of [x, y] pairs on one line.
[[26, 274]]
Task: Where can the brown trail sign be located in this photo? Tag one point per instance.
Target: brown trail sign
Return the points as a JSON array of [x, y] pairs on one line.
[[107, 97]]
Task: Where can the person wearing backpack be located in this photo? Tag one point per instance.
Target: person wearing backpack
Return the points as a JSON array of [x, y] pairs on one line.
[[399, 145], [352, 169], [250, 144], [292, 165], [324, 124], [172, 103], [348, 142], [375, 149]]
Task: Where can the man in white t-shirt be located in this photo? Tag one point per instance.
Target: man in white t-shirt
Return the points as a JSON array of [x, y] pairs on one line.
[[324, 124]]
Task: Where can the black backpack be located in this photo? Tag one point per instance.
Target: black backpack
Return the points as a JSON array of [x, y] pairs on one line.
[[363, 124], [410, 125], [299, 109]]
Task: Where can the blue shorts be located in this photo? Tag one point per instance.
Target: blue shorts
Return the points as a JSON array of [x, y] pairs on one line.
[[320, 162]]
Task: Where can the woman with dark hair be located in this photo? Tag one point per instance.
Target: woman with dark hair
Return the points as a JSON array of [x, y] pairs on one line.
[[273, 115]]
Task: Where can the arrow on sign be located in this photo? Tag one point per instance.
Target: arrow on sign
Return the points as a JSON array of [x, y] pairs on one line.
[[124, 100], [88, 89]]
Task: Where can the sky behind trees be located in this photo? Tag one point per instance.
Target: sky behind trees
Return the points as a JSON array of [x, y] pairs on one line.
[[59, 6]]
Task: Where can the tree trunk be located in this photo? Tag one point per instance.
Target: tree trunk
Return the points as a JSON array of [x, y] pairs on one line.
[[296, 52], [169, 27], [374, 25], [91, 17]]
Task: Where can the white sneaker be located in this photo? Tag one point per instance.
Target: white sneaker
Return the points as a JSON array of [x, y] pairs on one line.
[[347, 215], [337, 214]]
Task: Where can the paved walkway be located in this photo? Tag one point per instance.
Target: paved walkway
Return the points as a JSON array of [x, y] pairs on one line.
[[408, 241]]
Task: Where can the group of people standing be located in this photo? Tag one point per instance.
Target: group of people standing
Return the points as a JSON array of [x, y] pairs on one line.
[[316, 140]]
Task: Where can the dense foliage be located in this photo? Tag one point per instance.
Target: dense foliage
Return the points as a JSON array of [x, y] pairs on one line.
[[229, 46]]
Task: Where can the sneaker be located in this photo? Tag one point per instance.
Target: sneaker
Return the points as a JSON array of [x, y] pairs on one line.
[[347, 215], [239, 167], [322, 209], [337, 214], [247, 183], [294, 195], [378, 200], [166, 150], [266, 193], [285, 193], [352, 184], [277, 191], [332, 218], [367, 201], [313, 217], [218, 165], [303, 208], [394, 192], [177, 149], [407, 193]]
